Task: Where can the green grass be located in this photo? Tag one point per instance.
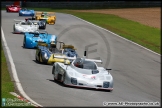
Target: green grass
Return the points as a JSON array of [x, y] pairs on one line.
[[146, 36], [7, 85]]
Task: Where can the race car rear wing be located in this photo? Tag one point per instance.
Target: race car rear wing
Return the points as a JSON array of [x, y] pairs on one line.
[[73, 58]]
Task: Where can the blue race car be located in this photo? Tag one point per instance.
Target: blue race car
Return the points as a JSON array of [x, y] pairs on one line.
[[26, 12], [31, 39]]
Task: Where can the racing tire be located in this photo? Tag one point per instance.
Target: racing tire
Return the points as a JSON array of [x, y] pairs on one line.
[[53, 72], [36, 58], [38, 61], [45, 27], [13, 29], [24, 42], [63, 79], [59, 76]]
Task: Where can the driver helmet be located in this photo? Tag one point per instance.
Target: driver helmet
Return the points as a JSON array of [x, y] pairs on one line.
[[53, 45], [79, 64], [26, 19], [42, 15]]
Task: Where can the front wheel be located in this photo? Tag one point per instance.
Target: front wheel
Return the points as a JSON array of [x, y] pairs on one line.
[[53, 72], [24, 42], [63, 78], [45, 26], [36, 58]]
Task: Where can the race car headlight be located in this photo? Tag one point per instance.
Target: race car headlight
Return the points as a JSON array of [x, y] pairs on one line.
[[74, 81], [45, 56], [105, 84]]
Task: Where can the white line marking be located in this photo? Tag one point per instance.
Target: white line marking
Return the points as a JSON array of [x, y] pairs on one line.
[[14, 72], [21, 98], [116, 35]]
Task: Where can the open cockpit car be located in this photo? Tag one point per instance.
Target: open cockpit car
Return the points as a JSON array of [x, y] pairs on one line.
[[31, 39], [13, 8], [84, 73], [22, 26], [41, 22], [46, 54], [50, 17], [26, 12]]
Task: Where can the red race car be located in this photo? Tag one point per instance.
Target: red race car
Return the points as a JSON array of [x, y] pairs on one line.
[[13, 8]]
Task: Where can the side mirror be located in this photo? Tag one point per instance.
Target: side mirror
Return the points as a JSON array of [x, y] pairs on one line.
[[108, 69]]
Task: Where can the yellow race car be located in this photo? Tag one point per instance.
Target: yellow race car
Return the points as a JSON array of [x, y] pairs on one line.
[[51, 54], [50, 17]]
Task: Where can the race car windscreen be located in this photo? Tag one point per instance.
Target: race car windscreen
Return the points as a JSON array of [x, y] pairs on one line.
[[89, 65], [85, 64], [44, 20]]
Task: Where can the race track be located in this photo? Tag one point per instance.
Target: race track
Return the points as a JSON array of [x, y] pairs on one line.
[[136, 71]]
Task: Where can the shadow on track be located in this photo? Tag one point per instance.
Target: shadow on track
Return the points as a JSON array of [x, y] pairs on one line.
[[61, 84]]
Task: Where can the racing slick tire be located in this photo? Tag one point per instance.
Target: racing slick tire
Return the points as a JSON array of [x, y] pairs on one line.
[[24, 42], [53, 72], [13, 29], [63, 79], [45, 26], [36, 59]]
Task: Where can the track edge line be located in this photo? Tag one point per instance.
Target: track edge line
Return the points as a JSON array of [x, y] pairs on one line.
[[14, 72]]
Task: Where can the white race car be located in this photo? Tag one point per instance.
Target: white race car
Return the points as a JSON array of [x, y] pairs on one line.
[[82, 72], [25, 26]]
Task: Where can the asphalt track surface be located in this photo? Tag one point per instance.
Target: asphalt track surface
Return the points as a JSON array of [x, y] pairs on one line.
[[136, 71]]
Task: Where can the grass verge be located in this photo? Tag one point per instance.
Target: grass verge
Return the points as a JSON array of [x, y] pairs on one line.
[[8, 86], [146, 36]]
